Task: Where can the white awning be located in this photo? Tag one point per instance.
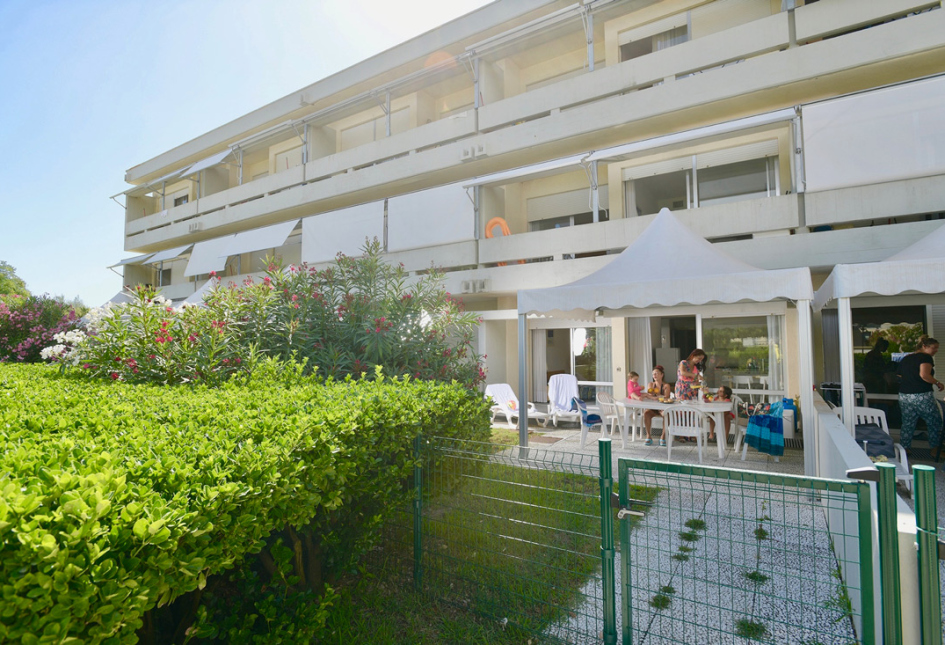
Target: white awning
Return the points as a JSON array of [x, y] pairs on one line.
[[700, 274], [137, 259], [526, 173], [691, 135], [916, 269], [269, 237], [209, 161], [208, 256], [146, 188], [196, 298], [168, 254]]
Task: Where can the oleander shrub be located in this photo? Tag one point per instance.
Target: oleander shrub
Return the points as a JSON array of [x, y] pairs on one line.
[[348, 319], [29, 323], [116, 500]]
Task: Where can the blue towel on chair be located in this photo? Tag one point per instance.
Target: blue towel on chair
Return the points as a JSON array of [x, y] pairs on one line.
[[765, 432]]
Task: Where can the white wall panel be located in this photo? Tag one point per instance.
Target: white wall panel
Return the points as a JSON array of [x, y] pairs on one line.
[[327, 234], [440, 215], [880, 136]]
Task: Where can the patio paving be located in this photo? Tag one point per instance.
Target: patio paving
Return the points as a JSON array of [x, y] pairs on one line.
[[568, 439]]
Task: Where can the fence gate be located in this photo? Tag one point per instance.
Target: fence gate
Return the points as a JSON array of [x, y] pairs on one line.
[[728, 556]]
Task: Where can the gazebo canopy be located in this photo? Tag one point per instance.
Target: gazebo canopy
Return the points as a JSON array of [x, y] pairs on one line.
[[686, 269], [919, 268]]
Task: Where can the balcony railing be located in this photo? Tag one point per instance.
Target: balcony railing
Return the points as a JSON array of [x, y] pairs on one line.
[[443, 144]]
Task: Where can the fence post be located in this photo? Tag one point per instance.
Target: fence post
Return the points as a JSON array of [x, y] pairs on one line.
[[926, 519], [417, 513], [889, 554], [607, 541]]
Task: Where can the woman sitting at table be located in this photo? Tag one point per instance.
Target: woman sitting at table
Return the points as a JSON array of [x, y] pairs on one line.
[[724, 394], [658, 388]]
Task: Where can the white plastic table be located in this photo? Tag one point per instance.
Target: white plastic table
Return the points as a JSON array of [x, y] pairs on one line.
[[714, 409]]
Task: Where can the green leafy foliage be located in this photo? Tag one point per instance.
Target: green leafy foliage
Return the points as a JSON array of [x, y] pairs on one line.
[[115, 499], [10, 282], [347, 320]]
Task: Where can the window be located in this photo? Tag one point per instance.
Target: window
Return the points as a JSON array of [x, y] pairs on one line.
[[720, 176], [164, 277], [582, 351], [180, 201], [649, 44], [744, 353], [562, 222]]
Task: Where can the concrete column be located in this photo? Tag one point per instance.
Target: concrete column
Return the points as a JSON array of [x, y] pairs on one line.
[[523, 380]]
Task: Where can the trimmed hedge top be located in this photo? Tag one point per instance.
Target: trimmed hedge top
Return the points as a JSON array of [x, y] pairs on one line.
[[115, 497]]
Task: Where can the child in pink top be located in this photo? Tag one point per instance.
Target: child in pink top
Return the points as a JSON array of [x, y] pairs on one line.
[[634, 389]]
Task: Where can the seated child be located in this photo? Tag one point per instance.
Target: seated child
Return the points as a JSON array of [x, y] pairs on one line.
[[724, 394], [634, 389]]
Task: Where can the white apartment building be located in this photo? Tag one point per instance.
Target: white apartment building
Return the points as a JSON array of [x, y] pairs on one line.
[[526, 143]]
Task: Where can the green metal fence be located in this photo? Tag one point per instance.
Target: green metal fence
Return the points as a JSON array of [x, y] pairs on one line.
[[527, 538], [514, 535], [728, 556], [931, 567]]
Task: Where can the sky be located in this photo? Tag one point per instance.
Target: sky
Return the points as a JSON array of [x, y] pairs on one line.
[[90, 88]]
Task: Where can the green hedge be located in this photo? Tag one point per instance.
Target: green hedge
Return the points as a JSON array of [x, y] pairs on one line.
[[115, 498]]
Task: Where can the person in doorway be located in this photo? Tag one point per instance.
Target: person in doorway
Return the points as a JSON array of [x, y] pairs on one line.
[[875, 367], [658, 388], [916, 380]]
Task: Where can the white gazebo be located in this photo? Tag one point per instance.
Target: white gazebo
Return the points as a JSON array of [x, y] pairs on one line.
[[691, 271], [917, 269]]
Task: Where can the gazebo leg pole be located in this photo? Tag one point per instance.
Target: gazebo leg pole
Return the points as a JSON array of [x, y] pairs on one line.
[[523, 381], [845, 323], [806, 365]]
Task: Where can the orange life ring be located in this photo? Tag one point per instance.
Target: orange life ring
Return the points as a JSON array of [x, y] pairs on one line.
[[504, 227]]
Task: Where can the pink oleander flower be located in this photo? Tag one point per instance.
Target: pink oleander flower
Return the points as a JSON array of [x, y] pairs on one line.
[[114, 376]]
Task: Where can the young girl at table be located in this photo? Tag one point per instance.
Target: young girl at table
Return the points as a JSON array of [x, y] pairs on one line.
[[656, 389], [724, 394], [634, 389]]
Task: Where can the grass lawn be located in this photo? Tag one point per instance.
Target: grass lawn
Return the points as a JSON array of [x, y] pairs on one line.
[[506, 551]]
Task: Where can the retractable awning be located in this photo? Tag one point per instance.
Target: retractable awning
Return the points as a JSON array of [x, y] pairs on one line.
[[208, 162], [137, 259], [208, 256], [168, 254], [268, 237], [526, 173], [686, 136]]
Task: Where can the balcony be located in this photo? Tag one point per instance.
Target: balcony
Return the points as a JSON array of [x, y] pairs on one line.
[[743, 69]]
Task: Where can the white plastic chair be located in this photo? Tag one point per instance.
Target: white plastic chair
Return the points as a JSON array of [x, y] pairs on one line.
[[562, 388], [506, 403], [745, 382], [609, 412], [684, 421], [862, 416], [739, 430]]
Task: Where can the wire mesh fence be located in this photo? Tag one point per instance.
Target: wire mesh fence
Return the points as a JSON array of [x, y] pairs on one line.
[[514, 535], [712, 556], [731, 557]]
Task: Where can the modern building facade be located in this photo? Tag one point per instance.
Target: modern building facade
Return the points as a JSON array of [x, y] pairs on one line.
[[526, 143]]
